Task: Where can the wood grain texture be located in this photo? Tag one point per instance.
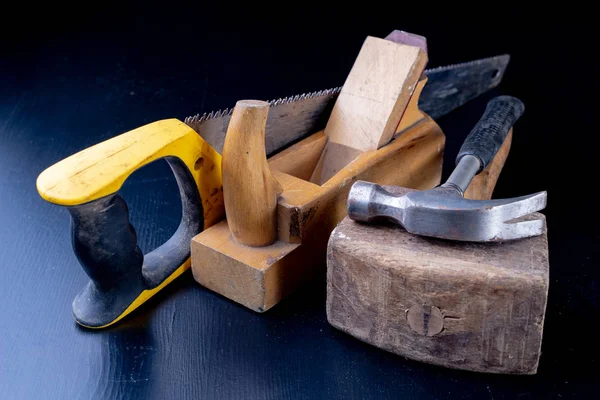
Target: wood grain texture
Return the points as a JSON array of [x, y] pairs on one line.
[[472, 306], [335, 156], [492, 296], [249, 189], [261, 274], [375, 94], [300, 159], [413, 159], [412, 114], [371, 104], [259, 277]]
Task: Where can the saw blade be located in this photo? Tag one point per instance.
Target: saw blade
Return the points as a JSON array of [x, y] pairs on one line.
[[452, 86], [289, 120], [293, 118]]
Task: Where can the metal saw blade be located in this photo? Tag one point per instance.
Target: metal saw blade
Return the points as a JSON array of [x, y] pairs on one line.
[[293, 118], [452, 86], [289, 120]]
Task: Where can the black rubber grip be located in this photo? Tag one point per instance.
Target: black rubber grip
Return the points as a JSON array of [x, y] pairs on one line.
[[487, 136], [105, 244]]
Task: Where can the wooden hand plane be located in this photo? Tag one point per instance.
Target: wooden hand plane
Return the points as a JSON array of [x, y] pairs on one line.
[[280, 211]]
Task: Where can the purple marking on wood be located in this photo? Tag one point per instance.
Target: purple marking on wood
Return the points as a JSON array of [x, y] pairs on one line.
[[410, 39]]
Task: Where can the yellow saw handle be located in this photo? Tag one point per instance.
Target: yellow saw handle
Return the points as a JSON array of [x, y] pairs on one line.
[[87, 183]]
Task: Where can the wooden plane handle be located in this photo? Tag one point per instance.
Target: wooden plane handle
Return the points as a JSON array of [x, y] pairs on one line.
[[249, 189], [482, 186]]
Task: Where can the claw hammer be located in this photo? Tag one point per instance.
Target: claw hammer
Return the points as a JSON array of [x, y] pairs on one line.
[[443, 212]]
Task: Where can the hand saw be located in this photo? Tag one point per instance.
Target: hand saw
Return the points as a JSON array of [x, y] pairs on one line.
[[447, 88], [105, 242]]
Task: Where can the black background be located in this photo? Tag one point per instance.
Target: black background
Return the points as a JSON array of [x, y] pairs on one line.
[[72, 77]]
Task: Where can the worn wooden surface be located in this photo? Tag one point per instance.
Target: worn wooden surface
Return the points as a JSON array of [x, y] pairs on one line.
[[249, 189], [412, 114], [413, 158], [473, 306], [381, 281], [375, 94], [306, 214], [256, 277], [300, 160], [371, 104], [335, 157]]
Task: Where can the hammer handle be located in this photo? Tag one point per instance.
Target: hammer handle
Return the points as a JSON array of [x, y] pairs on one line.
[[487, 136], [482, 186]]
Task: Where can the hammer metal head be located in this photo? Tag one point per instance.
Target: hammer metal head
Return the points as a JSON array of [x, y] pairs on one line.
[[443, 213]]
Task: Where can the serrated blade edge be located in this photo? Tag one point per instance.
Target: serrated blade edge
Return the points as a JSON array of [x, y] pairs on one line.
[[447, 88], [309, 110]]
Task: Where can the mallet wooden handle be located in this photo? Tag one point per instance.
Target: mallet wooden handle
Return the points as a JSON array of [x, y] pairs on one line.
[[249, 189]]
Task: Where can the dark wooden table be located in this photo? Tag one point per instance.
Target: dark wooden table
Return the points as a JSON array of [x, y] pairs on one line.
[[64, 92]]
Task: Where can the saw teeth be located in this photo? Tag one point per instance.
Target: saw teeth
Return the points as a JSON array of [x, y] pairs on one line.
[[191, 120], [273, 103], [502, 58]]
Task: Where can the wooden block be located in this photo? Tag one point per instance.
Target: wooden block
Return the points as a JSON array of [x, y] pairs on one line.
[[300, 159], [373, 101], [471, 306], [375, 94], [258, 277]]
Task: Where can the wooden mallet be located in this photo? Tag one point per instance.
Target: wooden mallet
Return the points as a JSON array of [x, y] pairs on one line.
[[466, 305]]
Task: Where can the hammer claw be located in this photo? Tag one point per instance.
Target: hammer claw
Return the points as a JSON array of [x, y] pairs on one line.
[[518, 207], [521, 229], [443, 212]]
